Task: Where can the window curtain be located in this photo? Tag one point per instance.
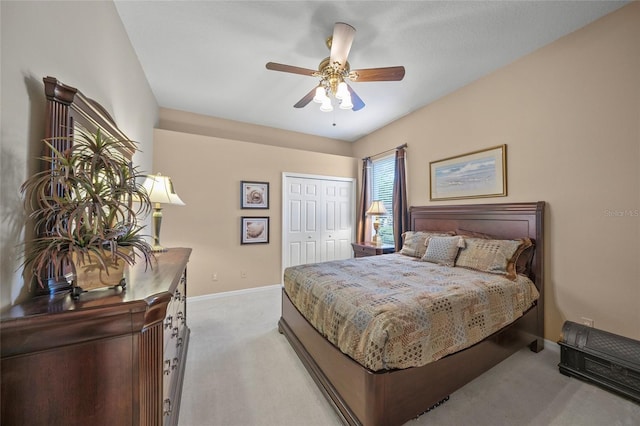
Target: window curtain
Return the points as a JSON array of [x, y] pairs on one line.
[[400, 207], [365, 200]]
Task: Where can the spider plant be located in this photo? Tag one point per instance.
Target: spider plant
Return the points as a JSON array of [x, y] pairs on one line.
[[85, 206]]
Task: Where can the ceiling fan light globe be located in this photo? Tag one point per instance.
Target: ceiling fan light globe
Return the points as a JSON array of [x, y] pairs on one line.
[[342, 92], [326, 106], [320, 96], [346, 103]]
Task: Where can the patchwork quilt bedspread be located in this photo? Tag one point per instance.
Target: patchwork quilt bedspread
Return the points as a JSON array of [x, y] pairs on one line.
[[395, 311]]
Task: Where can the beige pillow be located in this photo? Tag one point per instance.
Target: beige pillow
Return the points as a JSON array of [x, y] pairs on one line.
[[443, 250], [493, 256], [414, 242], [523, 259]]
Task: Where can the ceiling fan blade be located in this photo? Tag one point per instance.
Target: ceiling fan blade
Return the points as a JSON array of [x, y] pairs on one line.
[[289, 68], [306, 99], [343, 35], [380, 74], [358, 104]]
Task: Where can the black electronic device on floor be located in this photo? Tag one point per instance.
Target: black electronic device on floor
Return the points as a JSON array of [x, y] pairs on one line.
[[606, 359]]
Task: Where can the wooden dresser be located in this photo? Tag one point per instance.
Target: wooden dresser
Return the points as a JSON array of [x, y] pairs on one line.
[[114, 357]]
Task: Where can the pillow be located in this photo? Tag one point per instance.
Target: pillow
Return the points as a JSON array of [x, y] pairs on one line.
[[523, 261], [414, 242], [522, 258], [443, 250], [493, 256]]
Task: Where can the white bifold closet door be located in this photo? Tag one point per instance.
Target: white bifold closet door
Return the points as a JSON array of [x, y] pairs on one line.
[[318, 219]]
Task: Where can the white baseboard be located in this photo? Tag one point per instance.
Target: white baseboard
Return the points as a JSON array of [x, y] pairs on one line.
[[191, 299]]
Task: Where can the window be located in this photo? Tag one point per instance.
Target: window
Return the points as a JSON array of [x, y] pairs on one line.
[[382, 176]]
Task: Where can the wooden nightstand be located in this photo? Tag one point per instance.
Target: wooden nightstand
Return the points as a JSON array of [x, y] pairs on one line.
[[370, 249]]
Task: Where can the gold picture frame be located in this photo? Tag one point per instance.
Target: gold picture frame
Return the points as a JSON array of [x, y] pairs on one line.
[[477, 174]]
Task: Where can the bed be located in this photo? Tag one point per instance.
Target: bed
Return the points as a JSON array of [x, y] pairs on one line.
[[385, 394]]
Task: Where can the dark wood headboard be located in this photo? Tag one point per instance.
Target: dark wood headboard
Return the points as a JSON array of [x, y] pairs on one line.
[[505, 221]]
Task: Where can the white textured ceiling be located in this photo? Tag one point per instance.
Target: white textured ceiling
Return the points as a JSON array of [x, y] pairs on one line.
[[209, 57]]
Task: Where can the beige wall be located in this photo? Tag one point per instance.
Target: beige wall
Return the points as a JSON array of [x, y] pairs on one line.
[[570, 116], [206, 172], [104, 68]]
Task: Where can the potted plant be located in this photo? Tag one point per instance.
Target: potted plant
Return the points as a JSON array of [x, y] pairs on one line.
[[85, 206]]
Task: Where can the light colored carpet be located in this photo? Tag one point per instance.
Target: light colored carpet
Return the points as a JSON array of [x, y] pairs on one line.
[[241, 372]]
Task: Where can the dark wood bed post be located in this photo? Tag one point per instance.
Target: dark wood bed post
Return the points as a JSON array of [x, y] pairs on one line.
[[538, 345], [391, 398]]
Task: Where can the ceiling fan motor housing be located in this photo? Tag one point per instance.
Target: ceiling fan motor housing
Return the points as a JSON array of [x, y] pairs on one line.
[[332, 74]]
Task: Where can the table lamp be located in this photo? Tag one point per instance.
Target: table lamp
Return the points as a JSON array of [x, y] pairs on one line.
[[160, 190], [376, 209]]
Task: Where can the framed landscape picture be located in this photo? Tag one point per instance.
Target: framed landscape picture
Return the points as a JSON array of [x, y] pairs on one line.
[[474, 175], [254, 230], [254, 195]]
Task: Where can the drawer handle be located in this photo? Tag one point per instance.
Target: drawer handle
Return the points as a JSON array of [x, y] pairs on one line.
[[175, 363], [167, 370], [167, 407], [175, 333], [179, 342], [180, 317]]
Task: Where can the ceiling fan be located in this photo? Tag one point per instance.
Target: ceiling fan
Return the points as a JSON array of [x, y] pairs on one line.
[[334, 70]]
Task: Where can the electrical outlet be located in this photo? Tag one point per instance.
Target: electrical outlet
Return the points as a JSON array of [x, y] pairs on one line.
[[587, 321], [214, 276], [243, 274]]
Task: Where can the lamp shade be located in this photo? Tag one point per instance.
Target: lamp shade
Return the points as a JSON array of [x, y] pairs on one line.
[[326, 105], [377, 209], [320, 96], [342, 91], [160, 190], [346, 102]]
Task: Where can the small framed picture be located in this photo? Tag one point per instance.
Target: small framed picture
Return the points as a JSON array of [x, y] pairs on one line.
[[254, 230], [254, 195]]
